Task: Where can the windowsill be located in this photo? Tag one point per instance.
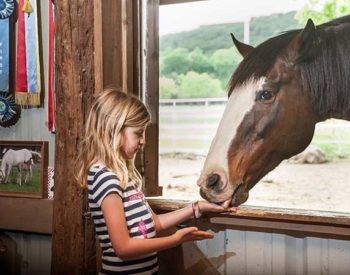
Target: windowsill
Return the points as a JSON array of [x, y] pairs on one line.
[[35, 215], [292, 221]]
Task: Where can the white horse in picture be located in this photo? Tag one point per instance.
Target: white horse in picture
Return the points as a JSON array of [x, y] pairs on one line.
[[16, 158]]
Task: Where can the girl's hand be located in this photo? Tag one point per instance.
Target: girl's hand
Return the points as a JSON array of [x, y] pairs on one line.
[[191, 234], [205, 206]]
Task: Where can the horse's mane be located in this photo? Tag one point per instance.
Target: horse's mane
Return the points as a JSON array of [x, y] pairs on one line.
[[326, 76]]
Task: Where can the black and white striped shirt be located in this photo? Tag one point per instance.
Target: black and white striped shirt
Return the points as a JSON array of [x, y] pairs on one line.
[[101, 182]]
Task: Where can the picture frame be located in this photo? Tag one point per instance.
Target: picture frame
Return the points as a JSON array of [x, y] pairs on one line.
[[23, 168]]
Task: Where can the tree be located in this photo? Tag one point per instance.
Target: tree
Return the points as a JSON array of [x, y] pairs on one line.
[[200, 63], [180, 61], [175, 62], [168, 88], [323, 11], [194, 85], [225, 62]]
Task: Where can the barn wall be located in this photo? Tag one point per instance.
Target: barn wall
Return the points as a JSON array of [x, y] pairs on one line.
[[230, 252], [247, 252], [25, 254], [28, 253], [32, 124]]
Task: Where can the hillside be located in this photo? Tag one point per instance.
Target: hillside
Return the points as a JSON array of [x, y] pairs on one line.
[[214, 37]]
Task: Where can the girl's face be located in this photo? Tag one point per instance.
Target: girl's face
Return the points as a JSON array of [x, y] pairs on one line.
[[132, 140]]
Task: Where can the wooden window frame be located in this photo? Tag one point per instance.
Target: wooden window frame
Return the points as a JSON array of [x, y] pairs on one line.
[[290, 221]]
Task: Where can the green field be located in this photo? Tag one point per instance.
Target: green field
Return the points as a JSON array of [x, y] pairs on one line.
[[31, 187]]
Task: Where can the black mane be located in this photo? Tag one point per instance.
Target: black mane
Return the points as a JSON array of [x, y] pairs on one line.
[[326, 76]]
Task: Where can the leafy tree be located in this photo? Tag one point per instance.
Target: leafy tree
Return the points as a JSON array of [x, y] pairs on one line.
[[208, 38], [264, 27], [214, 37], [225, 62], [323, 11], [167, 88], [200, 63], [175, 62], [194, 85], [181, 61]]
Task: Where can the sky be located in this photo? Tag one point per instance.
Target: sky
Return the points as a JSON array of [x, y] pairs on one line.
[[182, 17]]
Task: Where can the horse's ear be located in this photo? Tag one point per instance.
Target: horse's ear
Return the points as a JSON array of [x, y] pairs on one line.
[[304, 44], [244, 49]]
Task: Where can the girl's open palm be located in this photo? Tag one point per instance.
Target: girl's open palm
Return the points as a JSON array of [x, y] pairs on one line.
[[191, 234], [205, 206]]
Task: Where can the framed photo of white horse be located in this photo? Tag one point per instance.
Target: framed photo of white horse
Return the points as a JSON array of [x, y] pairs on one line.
[[23, 168]]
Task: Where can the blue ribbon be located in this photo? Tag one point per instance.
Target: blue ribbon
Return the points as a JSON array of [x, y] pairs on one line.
[[6, 8], [4, 55], [31, 50]]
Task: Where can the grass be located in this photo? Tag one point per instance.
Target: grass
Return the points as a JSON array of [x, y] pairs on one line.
[[12, 186]]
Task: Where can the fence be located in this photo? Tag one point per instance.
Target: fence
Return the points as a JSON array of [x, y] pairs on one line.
[[189, 125]]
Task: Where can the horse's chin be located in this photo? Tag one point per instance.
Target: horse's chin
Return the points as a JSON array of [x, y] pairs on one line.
[[239, 196], [223, 197]]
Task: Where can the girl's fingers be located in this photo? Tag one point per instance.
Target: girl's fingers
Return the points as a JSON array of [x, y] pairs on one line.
[[226, 204], [223, 208], [204, 234], [188, 230]]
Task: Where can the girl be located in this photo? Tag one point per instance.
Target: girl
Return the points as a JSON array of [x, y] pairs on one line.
[[125, 224]]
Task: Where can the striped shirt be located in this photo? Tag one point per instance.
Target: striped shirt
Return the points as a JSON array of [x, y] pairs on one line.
[[101, 182]]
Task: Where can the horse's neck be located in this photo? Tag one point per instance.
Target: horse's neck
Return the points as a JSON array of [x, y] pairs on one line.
[[345, 116], [6, 159], [337, 114], [3, 165], [341, 115]]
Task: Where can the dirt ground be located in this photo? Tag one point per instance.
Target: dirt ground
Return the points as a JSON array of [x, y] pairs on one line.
[[323, 186]]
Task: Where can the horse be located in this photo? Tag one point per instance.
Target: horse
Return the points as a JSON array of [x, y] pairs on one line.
[[277, 94], [25, 168], [13, 158]]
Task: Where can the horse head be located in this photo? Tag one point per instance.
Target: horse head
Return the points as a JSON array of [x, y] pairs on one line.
[[270, 115]]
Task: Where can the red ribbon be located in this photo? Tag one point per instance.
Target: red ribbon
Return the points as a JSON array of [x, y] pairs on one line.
[[51, 109], [21, 65]]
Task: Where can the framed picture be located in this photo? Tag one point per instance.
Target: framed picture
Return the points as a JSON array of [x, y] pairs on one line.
[[23, 168]]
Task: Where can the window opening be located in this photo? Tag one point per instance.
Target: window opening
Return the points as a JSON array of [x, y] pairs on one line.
[[196, 60]]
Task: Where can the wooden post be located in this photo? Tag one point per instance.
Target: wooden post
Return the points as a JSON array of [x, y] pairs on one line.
[[150, 92], [97, 45], [73, 238]]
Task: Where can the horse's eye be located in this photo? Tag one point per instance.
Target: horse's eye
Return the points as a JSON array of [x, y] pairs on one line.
[[264, 95]]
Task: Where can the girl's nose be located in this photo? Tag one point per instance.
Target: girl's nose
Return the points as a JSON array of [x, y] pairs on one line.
[[142, 140]]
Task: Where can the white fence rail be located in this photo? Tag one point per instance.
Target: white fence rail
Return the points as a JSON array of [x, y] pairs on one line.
[[189, 125]]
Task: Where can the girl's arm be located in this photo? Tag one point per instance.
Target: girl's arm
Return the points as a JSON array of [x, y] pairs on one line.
[[170, 219], [127, 247]]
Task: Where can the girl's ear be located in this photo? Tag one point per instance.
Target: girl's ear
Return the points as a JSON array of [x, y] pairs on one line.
[[121, 137]]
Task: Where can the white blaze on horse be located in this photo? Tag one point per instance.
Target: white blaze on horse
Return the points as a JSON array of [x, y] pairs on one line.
[[21, 158]]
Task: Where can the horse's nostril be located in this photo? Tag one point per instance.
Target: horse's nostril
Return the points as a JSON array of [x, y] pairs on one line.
[[213, 180]]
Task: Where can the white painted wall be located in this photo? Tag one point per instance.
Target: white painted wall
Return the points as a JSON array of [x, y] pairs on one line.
[[250, 253]]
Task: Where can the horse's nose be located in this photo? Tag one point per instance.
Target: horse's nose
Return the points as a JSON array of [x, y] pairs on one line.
[[213, 180]]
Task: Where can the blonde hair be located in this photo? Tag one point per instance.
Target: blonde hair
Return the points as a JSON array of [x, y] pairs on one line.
[[111, 112]]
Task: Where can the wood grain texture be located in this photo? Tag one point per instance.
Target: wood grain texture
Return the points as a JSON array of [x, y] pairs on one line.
[[150, 90], [26, 214], [289, 221], [73, 245]]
